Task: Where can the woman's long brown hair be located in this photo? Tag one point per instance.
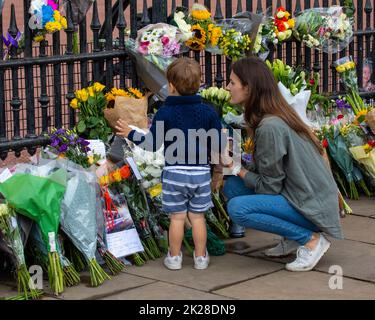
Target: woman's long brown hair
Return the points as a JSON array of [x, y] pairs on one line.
[[265, 98]]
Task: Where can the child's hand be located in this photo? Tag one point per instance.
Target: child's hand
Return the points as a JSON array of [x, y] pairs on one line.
[[122, 128]]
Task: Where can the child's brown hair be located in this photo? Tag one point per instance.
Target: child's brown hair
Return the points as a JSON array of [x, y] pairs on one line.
[[185, 75]]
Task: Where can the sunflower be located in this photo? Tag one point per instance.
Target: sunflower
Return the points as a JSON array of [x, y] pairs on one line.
[[136, 93], [216, 34], [195, 44], [201, 15], [199, 33]]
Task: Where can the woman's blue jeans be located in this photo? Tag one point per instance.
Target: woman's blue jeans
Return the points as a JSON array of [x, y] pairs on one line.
[[268, 213]]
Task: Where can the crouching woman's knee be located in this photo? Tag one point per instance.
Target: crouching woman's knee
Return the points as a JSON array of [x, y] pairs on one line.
[[236, 210]]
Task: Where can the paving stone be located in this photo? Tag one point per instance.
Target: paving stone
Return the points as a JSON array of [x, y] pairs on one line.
[[298, 285], [363, 207], [359, 228], [356, 259], [254, 240], [7, 290], [164, 291], [223, 270], [116, 284]]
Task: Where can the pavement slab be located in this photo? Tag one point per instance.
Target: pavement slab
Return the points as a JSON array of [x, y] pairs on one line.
[[359, 228], [287, 285], [254, 240], [118, 283], [164, 291], [363, 207], [223, 270]]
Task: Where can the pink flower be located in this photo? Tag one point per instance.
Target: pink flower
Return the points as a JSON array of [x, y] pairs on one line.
[[143, 49], [53, 4], [321, 31], [165, 40]]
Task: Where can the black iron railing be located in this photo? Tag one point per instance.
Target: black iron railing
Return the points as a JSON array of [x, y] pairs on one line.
[[37, 86]]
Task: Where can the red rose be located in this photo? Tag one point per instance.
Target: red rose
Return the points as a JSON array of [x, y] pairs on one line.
[[280, 9], [312, 82], [325, 143], [371, 144], [340, 116]]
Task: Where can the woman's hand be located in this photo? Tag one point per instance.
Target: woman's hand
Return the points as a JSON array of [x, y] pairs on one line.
[[122, 128], [243, 173]]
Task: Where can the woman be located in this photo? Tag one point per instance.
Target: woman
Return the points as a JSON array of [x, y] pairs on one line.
[[292, 192], [366, 76]]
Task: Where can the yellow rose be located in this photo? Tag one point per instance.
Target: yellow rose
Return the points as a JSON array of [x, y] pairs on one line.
[[117, 176], [98, 87], [340, 69], [78, 95], [104, 180], [155, 190], [64, 23], [91, 91], [57, 15], [291, 23], [74, 103], [84, 95]]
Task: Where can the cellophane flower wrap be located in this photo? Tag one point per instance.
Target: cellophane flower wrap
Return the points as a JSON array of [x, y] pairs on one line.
[[235, 42], [45, 18], [65, 143], [78, 218], [43, 206], [205, 33], [327, 29], [279, 27], [159, 43]]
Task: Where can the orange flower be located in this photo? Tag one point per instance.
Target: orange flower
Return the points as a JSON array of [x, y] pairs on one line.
[[125, 172]]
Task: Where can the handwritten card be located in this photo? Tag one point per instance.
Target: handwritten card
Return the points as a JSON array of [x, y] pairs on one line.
[[124, 243]]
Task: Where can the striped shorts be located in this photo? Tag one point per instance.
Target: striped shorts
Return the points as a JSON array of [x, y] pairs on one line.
[[186, 189]]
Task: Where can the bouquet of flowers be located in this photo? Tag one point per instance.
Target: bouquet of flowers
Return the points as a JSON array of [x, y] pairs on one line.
[[365, 155], [220, 98], [347, 69], [78, 219], [341, 155], [128, 104], [67, 144], [43, 206], [279, 27], [10, 232], [18, 42], [205, 33], [45, 18], [327, 29], [91, 103], [292, 85]]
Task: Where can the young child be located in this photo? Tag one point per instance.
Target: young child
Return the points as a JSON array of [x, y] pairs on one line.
[[186, 177]]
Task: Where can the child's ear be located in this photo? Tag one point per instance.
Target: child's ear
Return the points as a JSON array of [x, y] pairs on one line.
[[171, 88]]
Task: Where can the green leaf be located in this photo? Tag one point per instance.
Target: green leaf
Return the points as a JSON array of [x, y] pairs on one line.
[[92, 122], [81, 127]]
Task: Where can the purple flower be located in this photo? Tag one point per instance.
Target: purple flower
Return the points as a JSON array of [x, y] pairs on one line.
[[83, 142], [248, 158], [60, 131], [63, 148], [72, 139], [55, 142], [341, 104]]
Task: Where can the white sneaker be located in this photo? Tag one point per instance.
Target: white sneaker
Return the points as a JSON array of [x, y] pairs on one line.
[[201, 263], [173, 263], [307, 259], [284, 248]]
